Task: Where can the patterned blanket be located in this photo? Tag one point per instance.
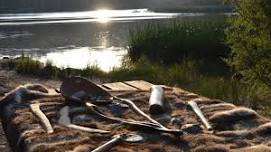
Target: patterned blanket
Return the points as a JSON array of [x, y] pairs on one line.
[[235, 128]]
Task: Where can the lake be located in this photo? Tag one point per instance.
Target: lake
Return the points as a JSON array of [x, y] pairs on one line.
[[76, 39]]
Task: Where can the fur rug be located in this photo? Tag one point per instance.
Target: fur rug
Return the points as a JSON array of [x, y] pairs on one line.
[[235, 128]]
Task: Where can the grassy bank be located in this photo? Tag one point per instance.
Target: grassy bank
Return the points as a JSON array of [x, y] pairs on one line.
[[28, 66], [185, 74]]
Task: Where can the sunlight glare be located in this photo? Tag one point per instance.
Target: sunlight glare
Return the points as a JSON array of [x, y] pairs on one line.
[[103, 15], [104, 57]]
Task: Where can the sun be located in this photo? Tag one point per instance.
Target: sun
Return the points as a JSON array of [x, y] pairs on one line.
[[103, 15]]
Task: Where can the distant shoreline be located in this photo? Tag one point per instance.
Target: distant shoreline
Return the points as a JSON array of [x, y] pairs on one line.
[[7, 6]]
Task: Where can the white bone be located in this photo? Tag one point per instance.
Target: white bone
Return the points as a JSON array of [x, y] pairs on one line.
[[35, 108]]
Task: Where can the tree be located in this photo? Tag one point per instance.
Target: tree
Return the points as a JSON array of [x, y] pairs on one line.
[[249, 37]]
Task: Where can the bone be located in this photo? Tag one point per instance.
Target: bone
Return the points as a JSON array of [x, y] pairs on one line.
[[65, 120], [137, 124], [198, 112], [35, 108], [108, 145], [138, 111], [87, 129]]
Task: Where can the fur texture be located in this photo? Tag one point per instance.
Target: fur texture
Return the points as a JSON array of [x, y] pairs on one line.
[[26, 92]]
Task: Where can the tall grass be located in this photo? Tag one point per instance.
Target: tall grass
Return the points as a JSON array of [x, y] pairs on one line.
[[186, 74], [171, 42], [28, 66]]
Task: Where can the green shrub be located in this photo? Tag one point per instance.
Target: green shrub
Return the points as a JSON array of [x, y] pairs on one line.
[[92, 71], [249, 37], [25, 65], [50, 70]]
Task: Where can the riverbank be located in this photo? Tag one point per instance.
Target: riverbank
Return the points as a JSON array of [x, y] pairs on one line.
[[188, 54], [187, 75]]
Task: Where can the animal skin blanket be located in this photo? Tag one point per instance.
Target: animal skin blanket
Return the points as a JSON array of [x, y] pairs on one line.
[[235, 128]]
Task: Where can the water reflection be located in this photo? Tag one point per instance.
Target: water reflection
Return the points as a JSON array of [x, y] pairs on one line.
[[74, 44], [68, 45], [103, 38], [100, 16], [104, 58]]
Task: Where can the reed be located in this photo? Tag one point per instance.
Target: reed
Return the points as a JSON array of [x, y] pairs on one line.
[[171, 42]]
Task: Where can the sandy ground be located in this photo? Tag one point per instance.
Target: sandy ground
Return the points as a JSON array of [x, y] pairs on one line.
[[10, 80]]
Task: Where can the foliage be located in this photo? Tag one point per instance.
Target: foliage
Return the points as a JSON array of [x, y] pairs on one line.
[[26, 65], [249, 37], [170, 43]]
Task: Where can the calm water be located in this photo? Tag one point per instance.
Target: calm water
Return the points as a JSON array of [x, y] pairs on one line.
[[75, 39]]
